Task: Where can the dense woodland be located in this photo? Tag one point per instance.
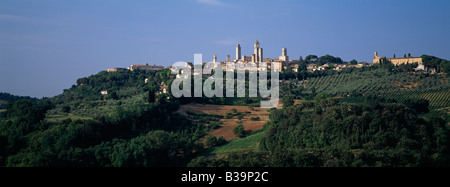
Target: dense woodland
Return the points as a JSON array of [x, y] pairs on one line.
[[373, 116], [132, 132], [327, 133], [6, 97]]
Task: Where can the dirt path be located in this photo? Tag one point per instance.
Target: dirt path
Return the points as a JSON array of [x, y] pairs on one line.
[[226, 129]]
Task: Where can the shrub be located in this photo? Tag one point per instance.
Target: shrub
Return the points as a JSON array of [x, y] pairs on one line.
[[211, 141], [213, 125], [220, 141], [239, 131], [255, 118]]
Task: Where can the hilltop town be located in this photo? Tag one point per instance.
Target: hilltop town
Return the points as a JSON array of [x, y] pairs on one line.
[[129, 117], [314, 63]]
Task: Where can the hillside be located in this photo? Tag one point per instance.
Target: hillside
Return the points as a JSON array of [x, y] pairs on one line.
[[353, 85], [318, 134], [132, 126], [6, 97], [81, 127], [331, 123], [227, 124]]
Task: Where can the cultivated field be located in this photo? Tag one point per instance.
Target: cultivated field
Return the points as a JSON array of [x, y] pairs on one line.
[[58, 118], [226, 128]]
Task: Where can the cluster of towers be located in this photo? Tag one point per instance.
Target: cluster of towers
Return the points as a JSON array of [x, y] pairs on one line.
[[257, 55]]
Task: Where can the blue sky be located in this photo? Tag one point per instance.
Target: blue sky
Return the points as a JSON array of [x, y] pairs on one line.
[[46, 45]]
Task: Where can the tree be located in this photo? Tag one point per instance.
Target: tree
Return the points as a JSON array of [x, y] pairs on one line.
[[220, 141], [420, 105], [151, 96], [313, 92], [152, 91], [114, 95], [310, 58], [441, 65], [287, 101], [66, 109], [239, 131], [445, 67], [240, 117], [353, 62], [255, 118], [394, 55], [82, 81], [302, 65], [211, 141]]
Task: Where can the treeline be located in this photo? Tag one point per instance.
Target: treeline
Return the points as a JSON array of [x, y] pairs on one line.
[[6, 97], [327, 133], [441, 65], [119, 85], [321, 60]]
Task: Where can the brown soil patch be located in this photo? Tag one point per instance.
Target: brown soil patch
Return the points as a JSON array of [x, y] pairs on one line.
[[226, 129], [297, 101]]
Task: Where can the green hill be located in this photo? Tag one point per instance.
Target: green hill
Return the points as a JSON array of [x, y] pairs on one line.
[[132, 126], [82, 127], [6, 97]]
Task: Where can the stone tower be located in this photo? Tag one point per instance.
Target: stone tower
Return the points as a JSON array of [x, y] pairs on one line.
[[376, 58], [256, 51], [215, 59], [284, 56], [260, 55], [238, 52]]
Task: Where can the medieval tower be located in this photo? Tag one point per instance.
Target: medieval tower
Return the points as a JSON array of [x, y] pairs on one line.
[[238, 52]]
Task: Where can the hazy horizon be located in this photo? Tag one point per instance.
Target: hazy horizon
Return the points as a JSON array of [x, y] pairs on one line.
[[46, 45]]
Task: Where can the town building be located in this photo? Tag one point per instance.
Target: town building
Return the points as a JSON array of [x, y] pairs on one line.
[[257, 57], [146, 67], [115, 69], [398, 61]]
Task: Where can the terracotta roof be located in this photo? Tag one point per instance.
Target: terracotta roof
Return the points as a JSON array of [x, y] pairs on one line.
[[403, 58], [147, 66]]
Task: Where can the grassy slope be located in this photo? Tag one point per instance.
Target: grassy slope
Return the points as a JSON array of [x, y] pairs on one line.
[[248, 143], [57, 118]]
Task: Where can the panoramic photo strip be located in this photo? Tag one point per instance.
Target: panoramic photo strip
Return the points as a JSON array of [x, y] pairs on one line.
[[224, 91]]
